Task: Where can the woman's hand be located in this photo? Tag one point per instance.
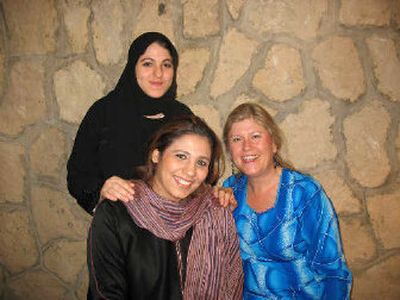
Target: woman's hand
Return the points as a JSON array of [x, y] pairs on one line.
[[225, 196], [115, 188]]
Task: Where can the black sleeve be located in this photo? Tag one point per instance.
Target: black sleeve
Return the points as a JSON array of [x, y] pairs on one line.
[[105, 257], [84, 175]]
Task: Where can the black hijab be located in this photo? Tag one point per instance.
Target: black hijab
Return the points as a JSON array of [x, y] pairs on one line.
[[127, 87]]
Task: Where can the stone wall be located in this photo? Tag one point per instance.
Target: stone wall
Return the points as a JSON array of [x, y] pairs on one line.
[[329, 71]]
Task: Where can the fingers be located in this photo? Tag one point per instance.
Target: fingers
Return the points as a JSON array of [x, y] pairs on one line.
[[225, 197], [116, 188]]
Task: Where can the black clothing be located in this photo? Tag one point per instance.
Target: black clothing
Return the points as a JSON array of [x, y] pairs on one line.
[[133, 255], [113, 136]]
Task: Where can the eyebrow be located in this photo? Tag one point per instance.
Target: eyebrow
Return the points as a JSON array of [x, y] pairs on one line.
[[152, 59]]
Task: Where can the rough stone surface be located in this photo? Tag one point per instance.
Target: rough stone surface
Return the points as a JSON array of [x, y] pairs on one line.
[[83, 288], [243, 98], [77, 87], [307, 144], [234, 7], [339, 67], [54, 217], [200, 18], [232, 60], [24, 101], [36, 34], [2, 64], [76, 18], [386, 65], [50, 147], [384, 211], [74, 259], [18, 246], [12, 183], [157, 17], [107, 28], [301, 18], [282, 77], [398, 144], [359, 247], [211, 115], [366, 133], [381, 281], [365, 12], [396, 13], [37, 285], [339, 192], [192, 63]]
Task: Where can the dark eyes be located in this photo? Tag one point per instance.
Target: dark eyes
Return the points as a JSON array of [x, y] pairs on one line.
[[200, 162], [166, 65]]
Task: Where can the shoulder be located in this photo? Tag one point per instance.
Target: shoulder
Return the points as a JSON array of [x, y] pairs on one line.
[[295, 179], [110, 212], [180, 107]]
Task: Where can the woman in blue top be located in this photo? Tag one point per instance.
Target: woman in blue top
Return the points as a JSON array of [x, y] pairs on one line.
[[289, 237]]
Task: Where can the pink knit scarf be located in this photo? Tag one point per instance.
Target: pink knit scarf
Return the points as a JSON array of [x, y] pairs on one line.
[[214, 268]]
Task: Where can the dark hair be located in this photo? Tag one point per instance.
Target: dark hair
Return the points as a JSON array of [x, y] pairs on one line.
[[261, 116], [177, 128]]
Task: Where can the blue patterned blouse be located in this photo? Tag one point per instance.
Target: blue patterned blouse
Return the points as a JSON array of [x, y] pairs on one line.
[[293, 250]]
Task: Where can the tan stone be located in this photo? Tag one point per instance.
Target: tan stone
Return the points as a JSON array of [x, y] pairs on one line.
[[37, 285], [210, 114], [339, 192], [2, 62], [192, 63], [301, 18], [358, 242], [232, 60], [48, 152], [84, 284], [365, 12], [386, 65], [234, 7], [384, 212], [380, 281], [107, 28], [12, 183], [24, 102], [243, 98], [73, 259], [307, 144], [339, 67], [398, 144], [76, 18], [396, 13], [18, 249], [200, 18], [54, 216], [282, 77], [366, 132], [156, 16], [32, 26], [77, 86]]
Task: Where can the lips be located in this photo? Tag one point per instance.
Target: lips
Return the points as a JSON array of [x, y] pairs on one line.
[[249, 158], [182, 182]]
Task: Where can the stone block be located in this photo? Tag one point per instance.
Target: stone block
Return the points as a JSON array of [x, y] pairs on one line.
[[309, 145], [365, 12], [243, 98], [12, 183], [18, 249], [24, 101], [210, 114], [386, 65], [282, 76], [365, 135], [384, 212], [77, 86], [200, 18], [235, 7], [232, 60], [339, 67], [32, 26]]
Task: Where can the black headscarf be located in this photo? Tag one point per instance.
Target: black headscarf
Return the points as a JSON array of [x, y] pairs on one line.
[[127, 87]]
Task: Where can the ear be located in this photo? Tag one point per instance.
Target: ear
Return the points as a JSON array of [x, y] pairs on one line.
[[274, 148], [155, 156]]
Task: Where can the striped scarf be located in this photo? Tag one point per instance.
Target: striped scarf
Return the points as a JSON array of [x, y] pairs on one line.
[[214, 268]]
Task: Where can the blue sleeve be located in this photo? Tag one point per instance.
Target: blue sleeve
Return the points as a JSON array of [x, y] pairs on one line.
[[325, 253]]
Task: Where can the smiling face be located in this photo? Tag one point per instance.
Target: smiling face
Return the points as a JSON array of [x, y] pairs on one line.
[[155, 70], [251, 148], [182, 167]]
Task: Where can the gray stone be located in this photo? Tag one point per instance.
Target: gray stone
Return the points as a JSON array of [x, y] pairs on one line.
[[32, 26], [77, 86], [24, 102], [210, 114], [232, 60], [282, 77], [365, 12], [366, 132], [309, 145], [12, 183], [339, 67], [18, 249], [200, 18], [386, 65]]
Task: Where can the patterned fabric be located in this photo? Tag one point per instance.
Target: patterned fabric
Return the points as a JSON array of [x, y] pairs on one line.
[[214, 269], [293, 250]]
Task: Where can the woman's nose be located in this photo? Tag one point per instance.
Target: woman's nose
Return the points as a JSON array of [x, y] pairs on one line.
[[246, 144], [190, 169], [158, 71]]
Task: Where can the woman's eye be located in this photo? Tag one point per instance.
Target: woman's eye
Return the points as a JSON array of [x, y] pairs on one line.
[[146, 64], [168, 65], [181, 156], [235, 139], [256, 136], [202, 163]]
